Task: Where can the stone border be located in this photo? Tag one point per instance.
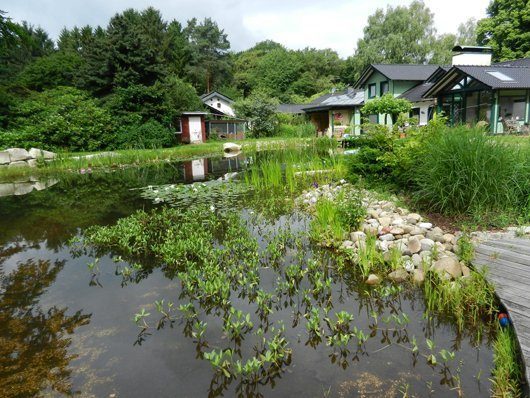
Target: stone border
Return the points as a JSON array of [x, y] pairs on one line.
[[19, 157]]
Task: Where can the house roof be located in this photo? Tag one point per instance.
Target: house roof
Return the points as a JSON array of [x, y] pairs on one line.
[[493, 76], [291, 108], [348, 99], [525, 62], [415, 94], [397, 72], [207, 96]]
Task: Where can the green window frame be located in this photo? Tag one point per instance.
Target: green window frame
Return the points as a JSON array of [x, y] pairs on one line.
[[372, 90]]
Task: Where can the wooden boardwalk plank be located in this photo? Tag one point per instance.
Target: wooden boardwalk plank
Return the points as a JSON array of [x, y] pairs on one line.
[[507, 264]]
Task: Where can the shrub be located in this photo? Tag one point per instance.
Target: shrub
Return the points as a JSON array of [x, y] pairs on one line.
[[469, 172], [260, 111], [300, 131], [62, 118], [150, 135]]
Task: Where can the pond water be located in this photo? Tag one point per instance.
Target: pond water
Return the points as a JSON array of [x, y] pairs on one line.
[[63, 331]]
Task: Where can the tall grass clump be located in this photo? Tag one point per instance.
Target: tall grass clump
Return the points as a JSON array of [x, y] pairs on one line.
[[507, 372], [468, 172]]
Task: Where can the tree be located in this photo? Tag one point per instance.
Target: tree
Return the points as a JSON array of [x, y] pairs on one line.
[[209, 58], [506, 29], [387, 105], [57, 69], [260, 111], [399, 35]]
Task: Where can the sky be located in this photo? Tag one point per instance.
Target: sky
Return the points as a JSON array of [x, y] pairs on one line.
[[296, 24]]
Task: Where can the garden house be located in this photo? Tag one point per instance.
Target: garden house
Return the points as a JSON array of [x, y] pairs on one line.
[[337, 113], [192, 127], [403, 81], [218, 104], [496, 94], [229, 128]]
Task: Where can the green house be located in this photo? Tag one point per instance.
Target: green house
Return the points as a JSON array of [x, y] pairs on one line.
[[404, 81], [497, 95]]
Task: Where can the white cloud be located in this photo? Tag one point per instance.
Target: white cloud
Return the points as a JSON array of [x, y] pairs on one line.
[[336, 24]]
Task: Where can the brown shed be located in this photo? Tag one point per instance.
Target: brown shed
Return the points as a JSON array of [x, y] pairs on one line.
[[193, 127]]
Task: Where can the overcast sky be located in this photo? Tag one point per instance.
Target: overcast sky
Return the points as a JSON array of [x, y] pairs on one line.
[[335, 24]]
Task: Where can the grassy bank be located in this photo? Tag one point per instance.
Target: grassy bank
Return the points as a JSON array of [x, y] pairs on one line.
[[73, 162]]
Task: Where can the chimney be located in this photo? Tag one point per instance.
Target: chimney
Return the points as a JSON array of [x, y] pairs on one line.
[[471, 55]]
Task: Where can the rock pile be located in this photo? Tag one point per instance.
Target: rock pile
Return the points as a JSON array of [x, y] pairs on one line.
[[419, 243], [19, 157], [24, 187]]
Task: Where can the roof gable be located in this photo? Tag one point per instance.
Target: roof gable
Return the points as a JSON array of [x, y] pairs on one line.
[[208, 96], [406, 72]]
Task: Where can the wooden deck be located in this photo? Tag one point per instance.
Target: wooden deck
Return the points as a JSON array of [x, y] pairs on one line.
[[507, 260]]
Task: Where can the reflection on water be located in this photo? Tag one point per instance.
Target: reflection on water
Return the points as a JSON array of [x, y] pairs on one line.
[[34, 342], [58, 333]]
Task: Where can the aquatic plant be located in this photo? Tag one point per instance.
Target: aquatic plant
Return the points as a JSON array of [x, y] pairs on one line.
[[507, 372]]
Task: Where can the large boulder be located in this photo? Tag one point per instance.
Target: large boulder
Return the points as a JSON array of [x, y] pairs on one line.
[[36, 153], [449, 265], [7, 189], [4, 157], [231, 147], [23, 188], [19, 163], [18, 154]]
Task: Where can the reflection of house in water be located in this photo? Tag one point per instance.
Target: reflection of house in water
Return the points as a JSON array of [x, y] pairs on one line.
[[212, 168]]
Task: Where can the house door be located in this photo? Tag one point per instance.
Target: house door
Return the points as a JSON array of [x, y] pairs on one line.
[[195, 129]]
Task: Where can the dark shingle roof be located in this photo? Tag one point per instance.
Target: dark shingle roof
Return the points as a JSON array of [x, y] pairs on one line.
[[415, 94], [518, 77], [525, 62], [291, 108], [417, 73]]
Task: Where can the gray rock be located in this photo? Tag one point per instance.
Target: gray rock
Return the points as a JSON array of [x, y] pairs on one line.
[[399, 275], [373, 279], [408, 265], [39, 185], [397, 222], [4, 157], [435, 236], [19, 163], [426, 244], [347, 244], [448, 247], [18, 154], [407, 229], [418, 276], [448, 265], [417, 231], [416, 259], [32, 162], [7, 189], [387, 237], [369, 229], [414, 245], [40, 153], [416, 217]]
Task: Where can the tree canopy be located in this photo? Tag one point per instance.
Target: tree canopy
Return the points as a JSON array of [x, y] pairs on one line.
[[506, 29]]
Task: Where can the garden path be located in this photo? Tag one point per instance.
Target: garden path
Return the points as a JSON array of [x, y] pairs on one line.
[[507, 260]]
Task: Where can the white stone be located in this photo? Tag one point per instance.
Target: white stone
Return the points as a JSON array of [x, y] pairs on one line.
[[399, 275], [418, 276], [448, 238], [409, 265], [416, 259], [7, 189], [23, 188], [414, 245], [397, 231], [373, 280], [32, 162], [357, 235], [426, 244], [231, 147], [18, 154], [18, 163], [415, 216], [448, 265], [387, 237], [426, 225], [4, 157], [385, 221]]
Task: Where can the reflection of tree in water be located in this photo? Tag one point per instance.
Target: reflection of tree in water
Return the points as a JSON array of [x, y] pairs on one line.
[[33, 343]]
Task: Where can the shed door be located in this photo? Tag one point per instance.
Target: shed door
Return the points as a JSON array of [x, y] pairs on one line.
[[195, 129]]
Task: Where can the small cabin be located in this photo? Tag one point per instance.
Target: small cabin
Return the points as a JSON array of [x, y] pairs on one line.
[[193, 127]]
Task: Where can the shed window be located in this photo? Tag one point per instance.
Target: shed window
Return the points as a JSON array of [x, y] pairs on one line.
[[219, 105], [372, 90], [384, 88]]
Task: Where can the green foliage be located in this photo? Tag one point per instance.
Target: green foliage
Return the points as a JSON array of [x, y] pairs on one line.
[[507, 373], [299, 130], [62, 118], [57, 69], [469, 172], [506, 29], [260, 111], [387, 105], [148, 135]]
